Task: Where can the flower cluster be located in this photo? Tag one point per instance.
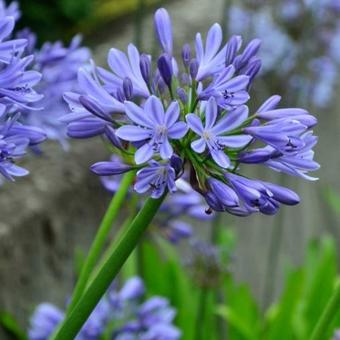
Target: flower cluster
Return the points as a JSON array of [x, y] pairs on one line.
[[16, 95], [165, 120], [306, 57], [170, 221], [58, 65], [119, 315]]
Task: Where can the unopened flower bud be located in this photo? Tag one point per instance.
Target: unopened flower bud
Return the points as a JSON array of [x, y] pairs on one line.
[[186, 54], [165, 68], [127, 88], [193, 68]]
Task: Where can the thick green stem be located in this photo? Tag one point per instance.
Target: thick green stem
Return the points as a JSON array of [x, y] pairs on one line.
[[332, 308], [100, 238], [109, 270]]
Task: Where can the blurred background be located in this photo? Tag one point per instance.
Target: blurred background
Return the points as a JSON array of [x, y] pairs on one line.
[[51, 214]]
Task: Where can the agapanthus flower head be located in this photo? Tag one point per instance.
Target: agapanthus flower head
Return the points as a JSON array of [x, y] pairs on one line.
[[15, 138], [17, 94], [178, 212], [166, 119], [58, 65], [315, 78], [121, 314], [205, 263]]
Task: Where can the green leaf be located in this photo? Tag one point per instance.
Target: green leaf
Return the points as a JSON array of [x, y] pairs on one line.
[[10, 324], [321, 270], [279, 323], [236, 321], [243, 311]]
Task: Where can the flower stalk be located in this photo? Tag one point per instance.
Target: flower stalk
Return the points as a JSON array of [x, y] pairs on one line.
[[108, 271], [100, 238]]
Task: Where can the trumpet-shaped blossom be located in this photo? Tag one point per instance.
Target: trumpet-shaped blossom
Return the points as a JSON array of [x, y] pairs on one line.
[[156, 178], [154, 126], [260, 196], [212, 135], [165, 120], [122, 67], [210, 58], [229, 92]]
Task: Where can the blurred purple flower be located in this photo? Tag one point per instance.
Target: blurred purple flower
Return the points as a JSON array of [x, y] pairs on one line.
[[122, 308]]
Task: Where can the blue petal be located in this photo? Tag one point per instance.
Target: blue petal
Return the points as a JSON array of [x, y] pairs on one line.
[[144, 153], [178, 130], [198, 145], [194, 123], [220, 158], [133, 133]]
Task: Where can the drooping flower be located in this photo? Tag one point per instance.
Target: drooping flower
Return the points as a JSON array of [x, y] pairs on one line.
[[259, 195]]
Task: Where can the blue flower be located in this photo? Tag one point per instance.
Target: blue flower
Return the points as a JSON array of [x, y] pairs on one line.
[[12, 10], [210, 59], [229, 92], [259, 196], [58, 65], [141, 109], [122, 309], [12, 47], [156, 178], [14, 140], [44, 321], [124, 67], [212, 135], [154, 126]]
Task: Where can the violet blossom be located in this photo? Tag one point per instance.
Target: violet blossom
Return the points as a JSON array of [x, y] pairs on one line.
[[132, 315], [165, 120]]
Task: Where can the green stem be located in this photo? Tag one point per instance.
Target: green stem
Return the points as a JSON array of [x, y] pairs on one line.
[[331, 309], [200, 317], [100, 238], [109, 270]]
